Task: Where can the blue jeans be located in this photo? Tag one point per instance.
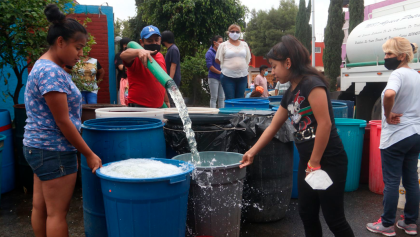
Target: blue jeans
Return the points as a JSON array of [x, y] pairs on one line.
[[216, 93], [89, 97], [399, 160], [233, 87]]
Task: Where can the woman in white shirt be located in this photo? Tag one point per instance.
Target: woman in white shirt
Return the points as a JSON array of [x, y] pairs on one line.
[[233, 57], [400, 138]]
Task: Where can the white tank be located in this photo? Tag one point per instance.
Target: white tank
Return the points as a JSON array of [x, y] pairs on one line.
[[364, 44]]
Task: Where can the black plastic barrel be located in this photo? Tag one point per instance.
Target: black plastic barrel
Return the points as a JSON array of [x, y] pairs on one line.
[[25, 173], [213, 132], [269, 180]]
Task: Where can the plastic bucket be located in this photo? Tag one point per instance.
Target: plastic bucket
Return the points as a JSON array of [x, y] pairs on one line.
[[274, 104], [376, 180], [25, 173], [364, 172], [154, 207], [276, 98], [215, 200], [193, 110], [115, 139], [237, 110], [350, 107], [340, 109], [247, 103], [131, 112], [351, 132], [296, 159], [2, 143], [275, 108], [8, 162]]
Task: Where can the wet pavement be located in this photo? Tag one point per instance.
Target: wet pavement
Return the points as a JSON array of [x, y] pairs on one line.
[[361, 207]]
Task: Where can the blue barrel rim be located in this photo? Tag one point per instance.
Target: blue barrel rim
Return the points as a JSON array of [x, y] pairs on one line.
[[275, 108], [2, 137], [148, 180], [248, 101], [350, 121], [230, 166], [336, 104], [100, 124], [275, 98]]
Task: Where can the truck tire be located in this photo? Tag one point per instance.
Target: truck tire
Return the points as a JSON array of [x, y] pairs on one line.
[[377, 110]]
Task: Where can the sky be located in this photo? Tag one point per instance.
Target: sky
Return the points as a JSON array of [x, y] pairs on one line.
[[126, 8]]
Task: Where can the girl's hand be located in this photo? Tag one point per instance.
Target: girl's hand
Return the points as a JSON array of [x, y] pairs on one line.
[[94, 162], [247, 159], [393, 118]]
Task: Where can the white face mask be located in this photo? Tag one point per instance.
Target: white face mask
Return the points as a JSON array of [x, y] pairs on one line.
[[234, 36]]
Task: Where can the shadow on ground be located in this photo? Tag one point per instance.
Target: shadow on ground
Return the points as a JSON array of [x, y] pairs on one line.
[[361, 207]]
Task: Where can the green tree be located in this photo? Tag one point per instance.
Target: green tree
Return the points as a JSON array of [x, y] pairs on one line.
[[333, 39], [193, 22], [23, 33], [265, 29], [303, 30], [118, 25], [357, 13]]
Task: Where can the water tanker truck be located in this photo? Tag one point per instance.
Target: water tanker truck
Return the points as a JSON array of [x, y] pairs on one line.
[[364, 74]]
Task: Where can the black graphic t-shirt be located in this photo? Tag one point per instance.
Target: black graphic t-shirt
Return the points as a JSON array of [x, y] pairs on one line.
[[302, 118]]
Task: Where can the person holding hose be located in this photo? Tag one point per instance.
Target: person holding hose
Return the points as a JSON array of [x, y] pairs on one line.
[[144, 90], [400, 138], [216, 88], [52, 132], [309, 108], [233, 57]]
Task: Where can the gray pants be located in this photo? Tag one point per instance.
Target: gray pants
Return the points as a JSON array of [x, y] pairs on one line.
[[216, 93]]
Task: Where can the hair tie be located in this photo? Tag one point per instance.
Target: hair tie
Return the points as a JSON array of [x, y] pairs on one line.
[[412, 46]]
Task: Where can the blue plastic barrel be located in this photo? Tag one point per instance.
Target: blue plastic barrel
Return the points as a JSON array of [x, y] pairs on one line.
[[340, 109], [237, 110], [275, 108], [115, 139], [155, 207], [276, 98], [296, 159], [8, 163], [350, 107], [249, 103], [351, 132], [2, 142]]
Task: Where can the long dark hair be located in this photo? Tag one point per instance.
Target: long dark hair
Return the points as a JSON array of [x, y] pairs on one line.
[[292, 48], [60, 25], [123, 41]]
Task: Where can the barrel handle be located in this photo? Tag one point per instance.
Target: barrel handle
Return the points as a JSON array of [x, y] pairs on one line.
[[177, 179]]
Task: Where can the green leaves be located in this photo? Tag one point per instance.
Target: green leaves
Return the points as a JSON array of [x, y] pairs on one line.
[[357, 13]]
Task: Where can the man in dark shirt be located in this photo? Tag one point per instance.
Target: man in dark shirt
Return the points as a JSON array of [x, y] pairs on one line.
[[173, 57]]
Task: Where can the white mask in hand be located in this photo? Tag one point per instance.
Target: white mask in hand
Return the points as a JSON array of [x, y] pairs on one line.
[[318, 180], [234, 36]]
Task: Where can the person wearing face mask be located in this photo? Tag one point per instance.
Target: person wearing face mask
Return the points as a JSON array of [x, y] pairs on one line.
[[216, 89], [400, 138], [119, 63], [144, 90], [233, 56], [260, 80]]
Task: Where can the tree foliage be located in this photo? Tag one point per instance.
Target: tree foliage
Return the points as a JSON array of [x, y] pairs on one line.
[[122, 28], [23, 33], [357, 13], [333, 39], [265, 29], [303, 29], [193, 22]]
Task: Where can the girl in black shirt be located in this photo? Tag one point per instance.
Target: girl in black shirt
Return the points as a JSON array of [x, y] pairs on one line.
[[308, 106]]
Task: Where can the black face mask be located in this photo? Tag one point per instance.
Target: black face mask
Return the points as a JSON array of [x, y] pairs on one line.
[[152, 47], [392, 63]]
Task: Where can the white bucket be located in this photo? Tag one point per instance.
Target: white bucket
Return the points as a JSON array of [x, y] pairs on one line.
[[137, 112], [401, 199], [194, 110]]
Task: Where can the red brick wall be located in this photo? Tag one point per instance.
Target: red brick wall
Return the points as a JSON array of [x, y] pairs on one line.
[[98, 28]]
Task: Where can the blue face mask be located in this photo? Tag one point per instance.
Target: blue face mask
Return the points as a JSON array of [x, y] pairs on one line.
[[266, 73]]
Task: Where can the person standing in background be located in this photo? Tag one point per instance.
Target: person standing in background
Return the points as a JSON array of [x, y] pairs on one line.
[[281, 88], [172, 59], [260, 80], [119, 65], [216, 88], [234, 56]]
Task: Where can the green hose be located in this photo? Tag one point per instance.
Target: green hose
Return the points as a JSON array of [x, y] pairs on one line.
[[154, 68]]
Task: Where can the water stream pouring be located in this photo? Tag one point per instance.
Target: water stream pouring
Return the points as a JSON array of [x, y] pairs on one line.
[[173, 90]]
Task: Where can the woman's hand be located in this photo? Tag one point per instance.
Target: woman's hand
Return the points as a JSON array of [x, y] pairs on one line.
[[94, 162], [393, 118], [247, 159]]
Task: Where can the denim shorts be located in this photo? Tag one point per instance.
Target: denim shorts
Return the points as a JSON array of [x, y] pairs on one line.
[[49, 165]]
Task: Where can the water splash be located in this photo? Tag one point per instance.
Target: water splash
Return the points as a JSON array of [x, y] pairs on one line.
[[183, 114]]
